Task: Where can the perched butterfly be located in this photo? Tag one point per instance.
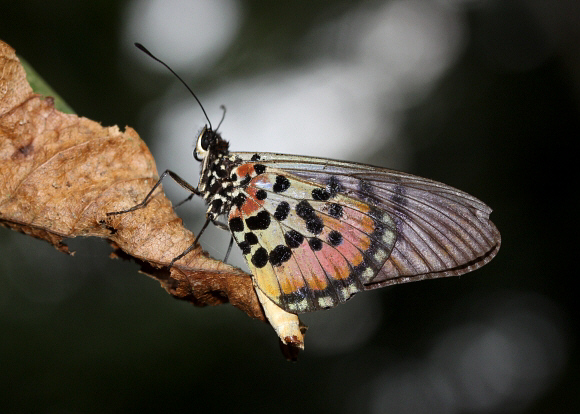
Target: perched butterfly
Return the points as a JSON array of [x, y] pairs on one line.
[[315, 231]]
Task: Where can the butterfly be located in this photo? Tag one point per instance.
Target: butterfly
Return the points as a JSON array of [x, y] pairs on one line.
[[314, 232]]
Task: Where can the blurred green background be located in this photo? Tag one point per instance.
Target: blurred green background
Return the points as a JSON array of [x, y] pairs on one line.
[[482, 95]]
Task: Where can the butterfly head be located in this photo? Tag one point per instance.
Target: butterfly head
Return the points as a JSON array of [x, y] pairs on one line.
[[209, 143]]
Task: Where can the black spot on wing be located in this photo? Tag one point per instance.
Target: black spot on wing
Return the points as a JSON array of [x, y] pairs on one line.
[[260, 258], [255, 157], [335, 210], [315, 244], [236, 224], [261, 194], [335, 238], [315, 226], [282, 211], [251, 238], [293, 238], [320, 194], [279, 255], [334, 186], [304, 210], [281, 185], [260, 221], [259, 168], [313, 223]]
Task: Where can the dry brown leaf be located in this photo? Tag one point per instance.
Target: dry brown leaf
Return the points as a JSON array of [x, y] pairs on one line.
[[60, 174]]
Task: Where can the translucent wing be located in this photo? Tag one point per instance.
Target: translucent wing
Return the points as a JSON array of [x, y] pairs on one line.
[[440, 231]]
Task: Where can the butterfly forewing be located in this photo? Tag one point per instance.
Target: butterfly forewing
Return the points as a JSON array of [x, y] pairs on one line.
[[440, 231]]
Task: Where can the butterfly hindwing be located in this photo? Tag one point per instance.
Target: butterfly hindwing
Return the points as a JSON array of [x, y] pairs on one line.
[[307, 247]]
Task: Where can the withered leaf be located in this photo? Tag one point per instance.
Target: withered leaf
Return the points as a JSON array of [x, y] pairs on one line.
[[60, 174]]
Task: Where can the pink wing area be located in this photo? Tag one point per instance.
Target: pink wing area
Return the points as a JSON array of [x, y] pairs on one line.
[[307, 249], [440, 231]]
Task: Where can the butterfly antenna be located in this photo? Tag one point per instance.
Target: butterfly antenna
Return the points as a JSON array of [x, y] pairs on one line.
[[144, 49], [223, 108]]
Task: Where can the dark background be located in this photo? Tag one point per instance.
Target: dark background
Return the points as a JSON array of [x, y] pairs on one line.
[[88, 334]]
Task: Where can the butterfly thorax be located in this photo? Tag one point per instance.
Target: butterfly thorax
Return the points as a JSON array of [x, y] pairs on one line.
[[216, 184]]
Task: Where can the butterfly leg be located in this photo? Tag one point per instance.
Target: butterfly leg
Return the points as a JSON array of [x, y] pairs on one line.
[[229, 249], [225, 227], [192, 246], [184, 201], [220, 225], [143, 203]]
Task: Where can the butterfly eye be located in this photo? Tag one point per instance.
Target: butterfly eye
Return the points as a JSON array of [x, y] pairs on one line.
[[205, 139], [203, 142]]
